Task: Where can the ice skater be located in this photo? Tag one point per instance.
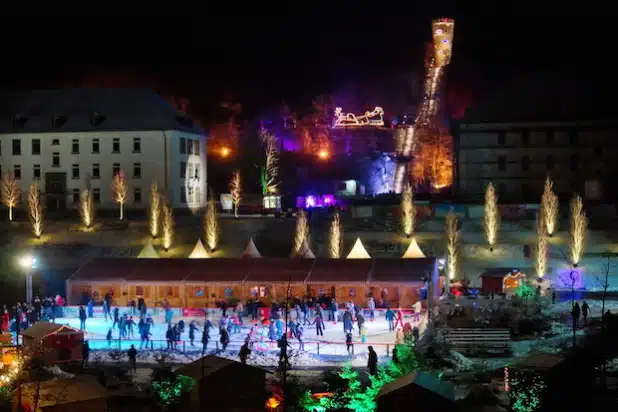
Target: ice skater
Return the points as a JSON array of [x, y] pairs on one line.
[[390, 318], [82, 318], [349, 344], [192, 329]]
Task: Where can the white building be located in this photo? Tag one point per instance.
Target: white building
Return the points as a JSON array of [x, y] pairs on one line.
[[71, 138]]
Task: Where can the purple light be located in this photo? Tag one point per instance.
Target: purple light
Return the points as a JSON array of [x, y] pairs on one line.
[[300, 202], [310, 201], [328, 200], [290, 145], [568, 278]]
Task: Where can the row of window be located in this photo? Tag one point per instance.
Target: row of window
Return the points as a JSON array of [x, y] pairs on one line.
[[189, 146], [75, 170], [96, 195], [189, 170], [549, 138], [549, 162], [75, 146]]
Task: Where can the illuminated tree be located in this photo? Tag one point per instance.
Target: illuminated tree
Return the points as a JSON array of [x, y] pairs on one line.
[[452, 244], [270, 169], [433, 158], [10, 193], [154, 212], [549, 208], [35, 209], [167, 225], [335, 236], [408, 211], [236, 191], [302, 231], [120, 190], [211, 224], [578, 231], [491, 217], [541, 247], [86, 207]]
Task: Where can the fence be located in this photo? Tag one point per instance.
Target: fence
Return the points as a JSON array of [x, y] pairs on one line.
[[324, 348]]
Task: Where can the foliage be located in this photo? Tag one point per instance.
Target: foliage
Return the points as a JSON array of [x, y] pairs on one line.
[[120, 190], [491, 218], [35, 209], [577, 231], [167, 225], [526, 392], [236, 190], [452, 244], [9, 192], [154, 211], [302, 232], [169, 387], [335, 236], [86, 207], [348, 392], [408, 211], [549, 207], [211, 224]]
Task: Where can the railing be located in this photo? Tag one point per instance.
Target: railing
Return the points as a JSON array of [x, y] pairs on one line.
[[322, 348]]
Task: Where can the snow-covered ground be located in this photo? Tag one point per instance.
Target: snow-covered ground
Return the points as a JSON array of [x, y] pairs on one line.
[[318, 350]]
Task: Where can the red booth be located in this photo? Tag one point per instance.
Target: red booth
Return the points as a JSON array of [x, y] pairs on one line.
[[54, 343]]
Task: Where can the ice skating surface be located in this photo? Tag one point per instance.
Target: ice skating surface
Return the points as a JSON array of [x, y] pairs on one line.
[[332, 343]]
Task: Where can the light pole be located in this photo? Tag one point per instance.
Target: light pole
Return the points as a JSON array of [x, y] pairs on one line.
[[28, 262], [573, 276]]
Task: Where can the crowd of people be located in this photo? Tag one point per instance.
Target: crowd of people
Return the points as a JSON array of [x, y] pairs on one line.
[[22, 315]]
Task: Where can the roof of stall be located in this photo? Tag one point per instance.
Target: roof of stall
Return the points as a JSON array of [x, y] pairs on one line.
[[265, 270], [272, 270], [403, 270], [341, 271]]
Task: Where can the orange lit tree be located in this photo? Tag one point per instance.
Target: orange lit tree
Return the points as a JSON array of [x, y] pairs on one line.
[[10, 193], [120, 190], [35, 209], [236, 191], [433, 160]]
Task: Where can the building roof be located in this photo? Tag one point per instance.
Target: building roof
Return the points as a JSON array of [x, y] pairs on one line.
[[210, 364], [265, 270], [251, 251], [413, 251], [358, 251], [543, 96], [90, 110], [64, 391], [199, 251], [424, 380], [403, 270], [342, 271], [498, 272], [538, 361], [273, 270], [41, 329], [148, 252]]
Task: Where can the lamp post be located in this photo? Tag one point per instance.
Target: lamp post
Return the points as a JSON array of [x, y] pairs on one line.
[[573, 275], [28, 262]]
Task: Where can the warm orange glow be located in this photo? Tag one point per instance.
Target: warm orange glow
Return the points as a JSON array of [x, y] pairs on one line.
[[272, 403], [225, 151], [323, 154]]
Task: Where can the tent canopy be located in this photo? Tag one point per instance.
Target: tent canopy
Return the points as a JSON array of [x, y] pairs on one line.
[[358, 251], [148, 252], [413, 251], [251, 251], [199, 251], [305, 252]]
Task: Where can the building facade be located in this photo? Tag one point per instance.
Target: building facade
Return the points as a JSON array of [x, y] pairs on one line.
[[71, 139], [518, 156]]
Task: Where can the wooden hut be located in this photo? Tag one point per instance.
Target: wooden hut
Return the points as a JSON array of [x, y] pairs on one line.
[[501, 280], [64, 395], [53, 343], [194, 283], [417, 391], [214, 390]]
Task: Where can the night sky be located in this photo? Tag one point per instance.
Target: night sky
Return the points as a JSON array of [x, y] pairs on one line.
[[309, 51]]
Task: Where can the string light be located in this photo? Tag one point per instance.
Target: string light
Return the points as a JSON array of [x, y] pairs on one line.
[[373, 118]]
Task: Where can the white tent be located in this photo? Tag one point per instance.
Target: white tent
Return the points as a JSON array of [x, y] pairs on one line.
[[148, 252], [305, 252], [251, 251], [413, 251], [199, 251], [358, 251]]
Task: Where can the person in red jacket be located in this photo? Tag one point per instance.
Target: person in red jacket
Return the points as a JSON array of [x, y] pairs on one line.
[[399, 319], [4, 326]]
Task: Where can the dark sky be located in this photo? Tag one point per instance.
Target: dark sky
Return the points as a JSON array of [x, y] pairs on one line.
[[306, 50]]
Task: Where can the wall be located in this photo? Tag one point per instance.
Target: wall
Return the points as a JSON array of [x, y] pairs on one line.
[[159, 159], [581, 152]]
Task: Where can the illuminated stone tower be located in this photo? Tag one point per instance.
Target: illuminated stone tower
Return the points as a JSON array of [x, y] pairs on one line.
[[428, 147]]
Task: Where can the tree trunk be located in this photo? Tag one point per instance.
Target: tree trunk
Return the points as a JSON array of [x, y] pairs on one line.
[[121, 211], [235, 210], [10, 213]]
